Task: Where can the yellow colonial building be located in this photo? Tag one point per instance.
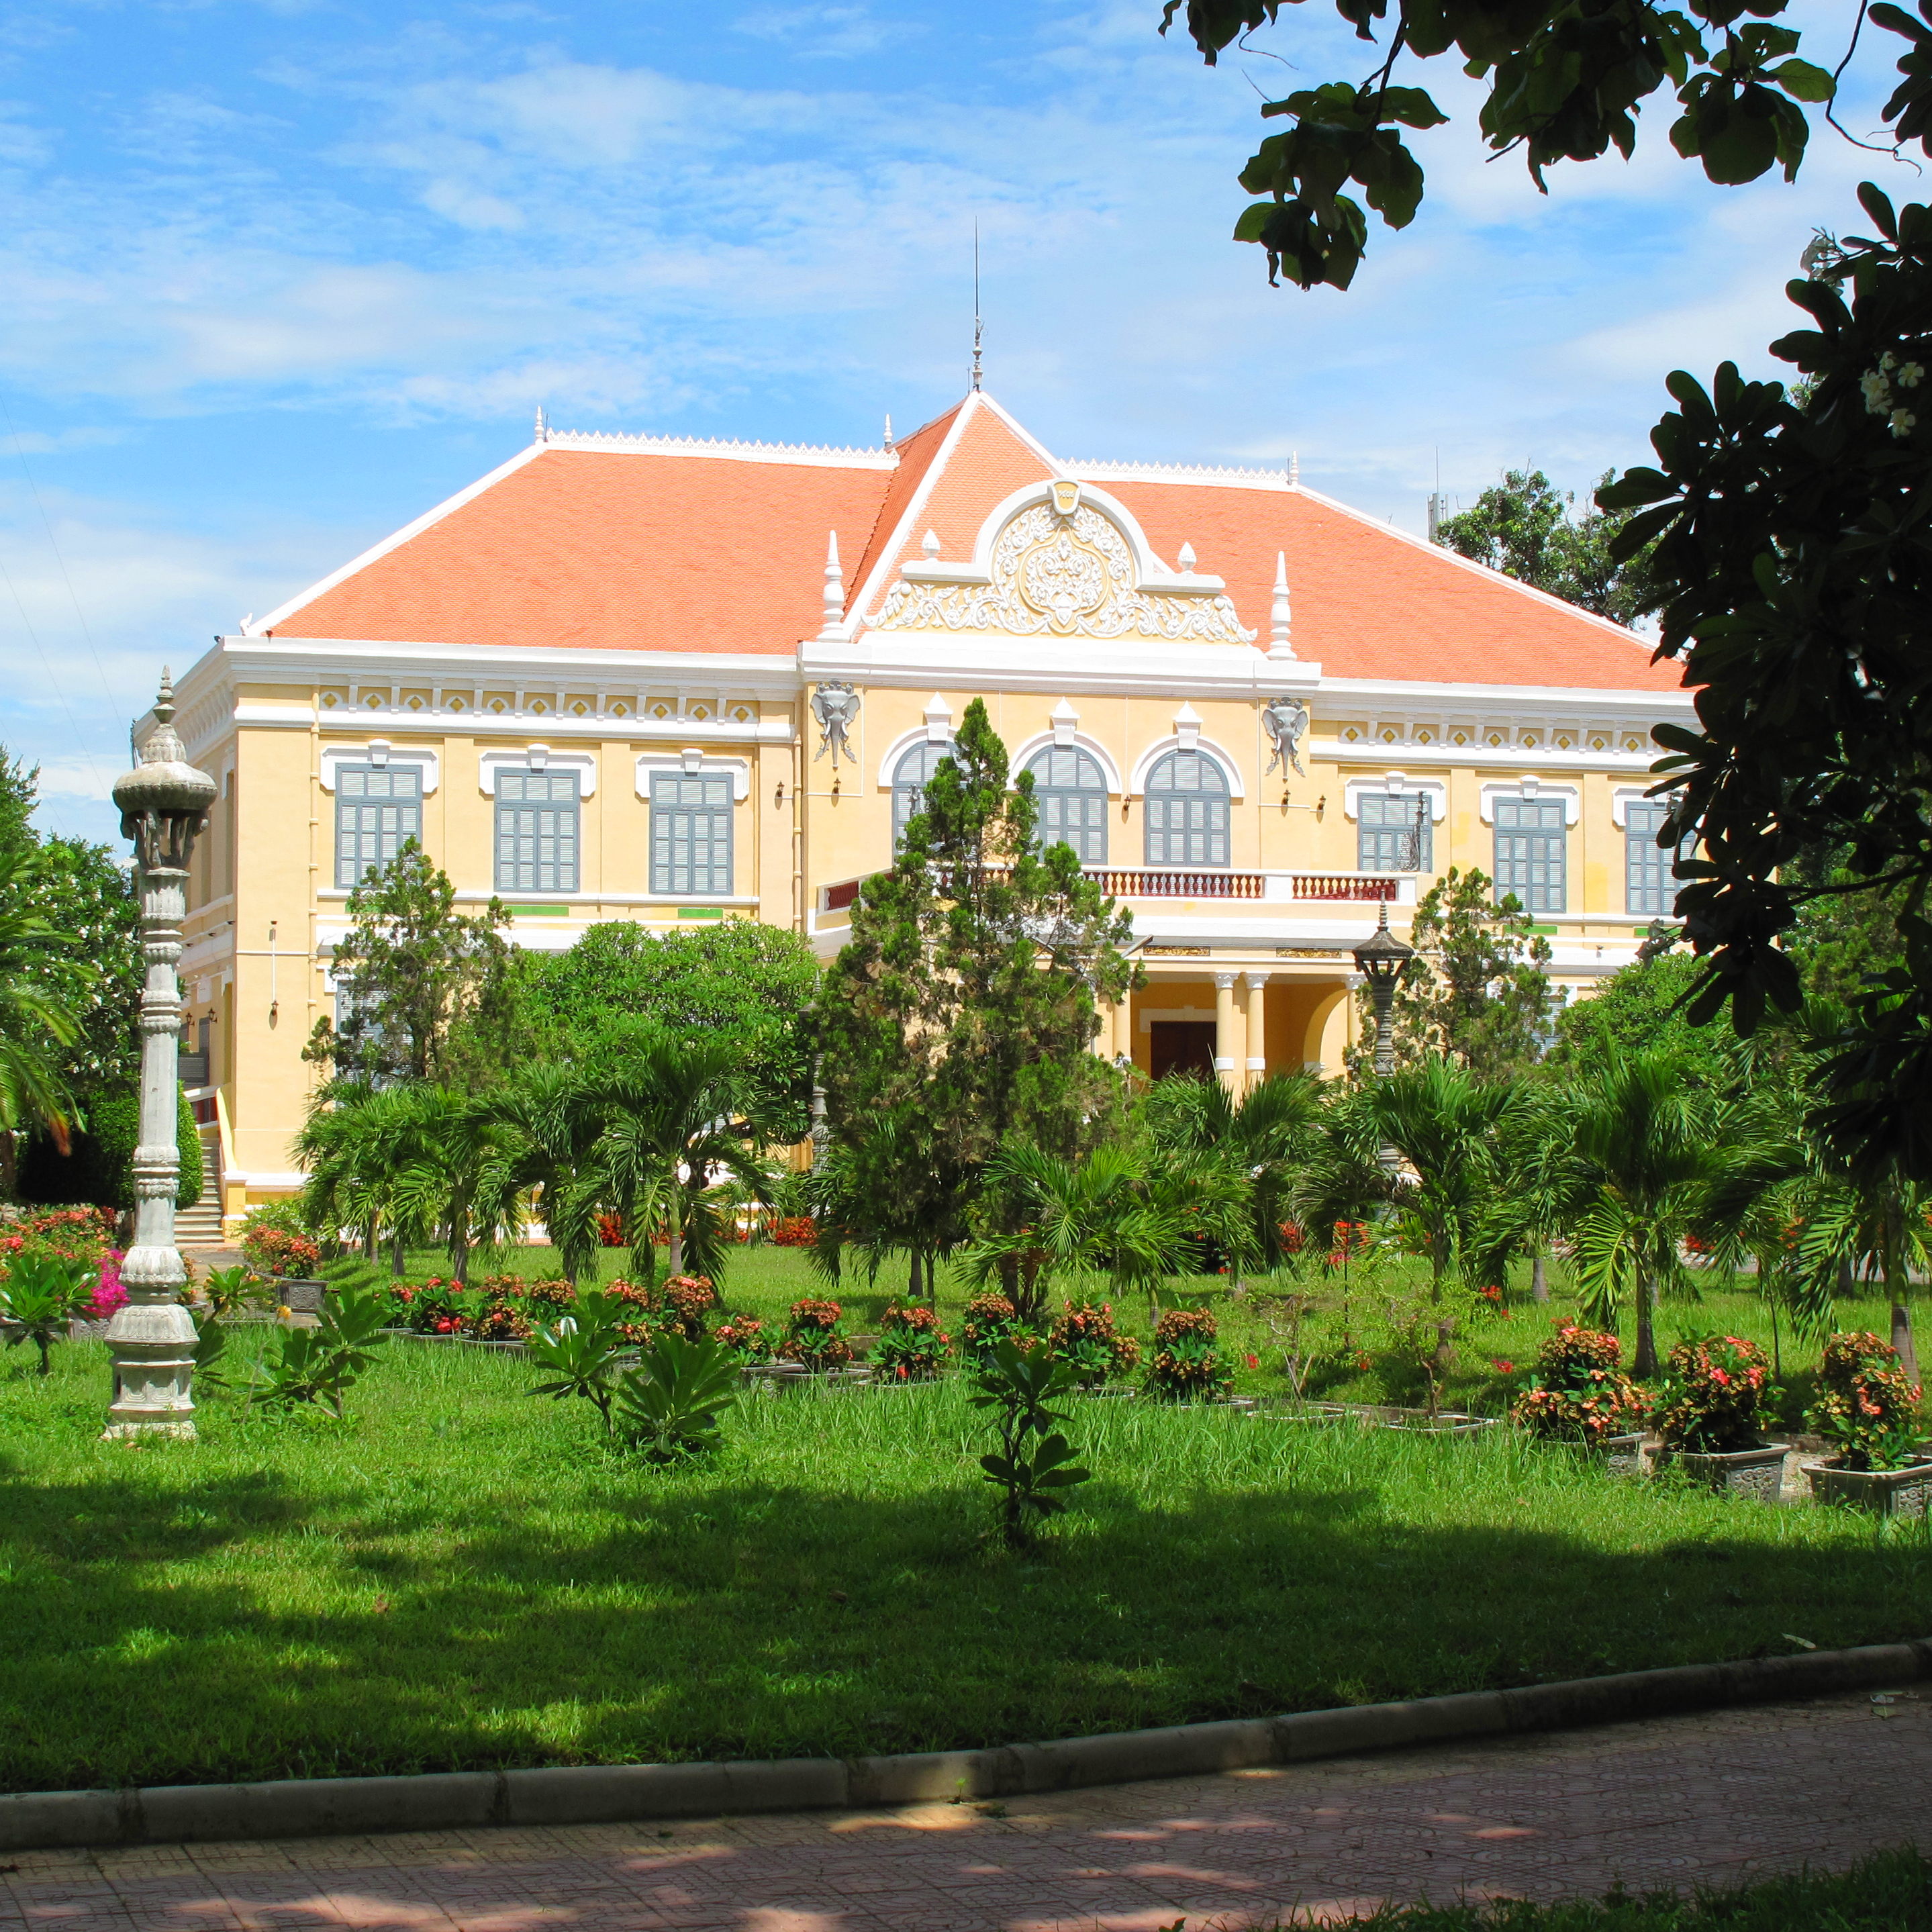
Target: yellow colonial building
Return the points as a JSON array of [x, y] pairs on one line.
[[634, 678]]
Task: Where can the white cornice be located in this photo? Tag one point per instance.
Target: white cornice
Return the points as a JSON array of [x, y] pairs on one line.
[[818, 456], [1412, 695], [1119, 667], [1179, 472]]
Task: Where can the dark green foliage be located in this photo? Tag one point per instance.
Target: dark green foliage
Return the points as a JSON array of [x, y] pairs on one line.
[[1033, 1467], [1890, 1893], [39, 1294], [98, 1169], [424, 993], [1566, 83], [1522, 527], [1640, 1009], [1793, 548], [1476, 990], [85, 891], [742, 982], [961, 1012], [670, 1404], [1842, 931], [320, 1365], [580, 1352]]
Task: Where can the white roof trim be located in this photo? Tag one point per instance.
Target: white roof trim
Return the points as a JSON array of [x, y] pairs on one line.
[[275, 616], [818, 456], [1213, 475]]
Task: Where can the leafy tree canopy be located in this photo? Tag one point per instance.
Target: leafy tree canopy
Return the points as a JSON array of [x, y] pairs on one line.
[[1475, 992], [1522, 527], [1567, 80], [741, 981], [963, 1009], [423, 992], [1640, 1011]]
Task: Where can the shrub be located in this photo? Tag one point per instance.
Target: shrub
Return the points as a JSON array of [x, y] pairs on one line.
[[790, 1231], [69, 1234], [685, 1301], [319, 1365], [912, 1346], [430, 1308], [499, 1322], [990, 1319], [670, 1404], [745, 1336], [1579, 1392], [99, 1164], [813, 1337], [109, 1295], [1186, 1365], [274, 1242], [1715, 1387], [42, 1293], [1085, 1338], [1033, 1465], [610, 1230], [1866, 1406], [636, 1327], [554, 1293]]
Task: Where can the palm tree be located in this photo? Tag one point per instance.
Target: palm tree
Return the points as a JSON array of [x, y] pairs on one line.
[[1655, 1145], [34, 1015], [1269, 1136]]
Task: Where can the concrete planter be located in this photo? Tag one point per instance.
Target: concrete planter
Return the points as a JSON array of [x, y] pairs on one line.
[[1445, 1422], [1738, 1472], [1620, 1455], [80, 1331], [1884, 1492], [300, 1296]]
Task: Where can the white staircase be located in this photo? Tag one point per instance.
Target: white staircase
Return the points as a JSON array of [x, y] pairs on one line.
[[200, 1226]]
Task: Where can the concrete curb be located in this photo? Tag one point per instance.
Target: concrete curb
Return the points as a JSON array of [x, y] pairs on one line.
[[608, 1794]]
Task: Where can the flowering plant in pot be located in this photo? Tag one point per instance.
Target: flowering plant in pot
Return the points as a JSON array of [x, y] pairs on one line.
[[747, 1338], [1867, 1406], [912, 1347], [1186, 1365], [1716, 1389], [990, 1319], [1578, 1391], [1085, 1338], [684, 1301], [813, 1336]]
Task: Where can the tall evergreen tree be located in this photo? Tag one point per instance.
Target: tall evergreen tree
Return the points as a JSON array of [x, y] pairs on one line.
[[1522, 526], [964, 1009]]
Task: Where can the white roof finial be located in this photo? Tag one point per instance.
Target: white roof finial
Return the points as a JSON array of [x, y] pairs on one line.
[[929, 543], [1294, 468], [835, 590], [889, 429], [1186, 560], [1279, 643], [543, 426]]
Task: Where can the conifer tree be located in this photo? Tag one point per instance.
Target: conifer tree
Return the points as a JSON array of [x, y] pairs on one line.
[[964, 1009]]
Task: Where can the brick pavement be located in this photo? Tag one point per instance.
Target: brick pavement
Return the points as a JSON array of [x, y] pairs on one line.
[[1665, 1803]]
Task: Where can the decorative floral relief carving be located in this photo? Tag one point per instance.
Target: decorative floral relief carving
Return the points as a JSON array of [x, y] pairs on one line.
[[1066, 577]]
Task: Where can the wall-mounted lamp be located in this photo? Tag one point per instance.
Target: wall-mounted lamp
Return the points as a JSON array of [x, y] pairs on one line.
[[778, 796], [835, 791], [274, 1004]]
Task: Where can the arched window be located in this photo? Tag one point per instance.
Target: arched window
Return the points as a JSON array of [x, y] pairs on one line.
[[909, 778], [1186, 811], [1072, 792]]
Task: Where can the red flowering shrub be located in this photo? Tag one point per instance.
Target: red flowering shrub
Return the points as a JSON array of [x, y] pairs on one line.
[[636, 1295], [989, 1319], [281, 1253], [745, 1336], [685, 1301], [1293, 1240], [1578, 1392], [912, 1346], [1715, 1389], [1350, 1240], [1867, 1406], [790, 1231], [813, 1336], [1185, 1364], [547, 1298], [499, 1322], [1084, 1335]]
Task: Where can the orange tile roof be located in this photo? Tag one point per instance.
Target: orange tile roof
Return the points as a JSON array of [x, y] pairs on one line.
[[595, 549], [667, 547], [1369, 602]]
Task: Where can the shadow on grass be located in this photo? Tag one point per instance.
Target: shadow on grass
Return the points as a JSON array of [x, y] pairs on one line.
[[695, 1618]]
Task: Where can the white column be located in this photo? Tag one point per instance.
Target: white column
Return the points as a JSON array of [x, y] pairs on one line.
[[1257, 1063], [1227, 1041]]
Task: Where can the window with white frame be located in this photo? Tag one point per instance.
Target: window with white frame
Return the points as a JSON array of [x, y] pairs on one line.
[[1187, 811], [1650, 887], [376, 809], [690, 834], [1532, 854], [1071, 790], [537, 831], [909, 780], [1395, 833]]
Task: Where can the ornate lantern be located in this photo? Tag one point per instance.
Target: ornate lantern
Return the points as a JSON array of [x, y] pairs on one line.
[[1380, 959], [164, 803]]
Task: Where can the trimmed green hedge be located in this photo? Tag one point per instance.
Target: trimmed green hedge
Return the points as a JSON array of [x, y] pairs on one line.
[[99, 1168]]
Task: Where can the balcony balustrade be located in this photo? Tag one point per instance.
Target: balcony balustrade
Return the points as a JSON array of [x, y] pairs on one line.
[[1164, 882]]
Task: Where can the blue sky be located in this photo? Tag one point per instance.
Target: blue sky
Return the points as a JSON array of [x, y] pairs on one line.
[[282, 274]]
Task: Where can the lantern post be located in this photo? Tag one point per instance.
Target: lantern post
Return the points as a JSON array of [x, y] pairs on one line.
[[1380, 959], [164, 803]]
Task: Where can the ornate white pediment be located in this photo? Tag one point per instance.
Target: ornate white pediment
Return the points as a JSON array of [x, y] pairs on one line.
[[1059, 566]]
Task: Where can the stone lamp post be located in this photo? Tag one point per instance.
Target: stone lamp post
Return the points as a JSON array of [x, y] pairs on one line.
[[164, 801], [1380, 959]]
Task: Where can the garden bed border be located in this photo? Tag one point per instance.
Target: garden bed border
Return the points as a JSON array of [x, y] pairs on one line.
[[610, 1794]]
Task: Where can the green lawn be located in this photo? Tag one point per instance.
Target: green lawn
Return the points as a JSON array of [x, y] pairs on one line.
[[463, 1577], [1891, 1893]]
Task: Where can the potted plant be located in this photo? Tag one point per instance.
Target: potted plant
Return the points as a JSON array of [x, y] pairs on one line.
[[1578, 1393], [273, 1243], [1085, 1338], [990, 1319], [1186, 1367], [912, 1347], [1715, 1389], [813, 1337], [1867, 1409]]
